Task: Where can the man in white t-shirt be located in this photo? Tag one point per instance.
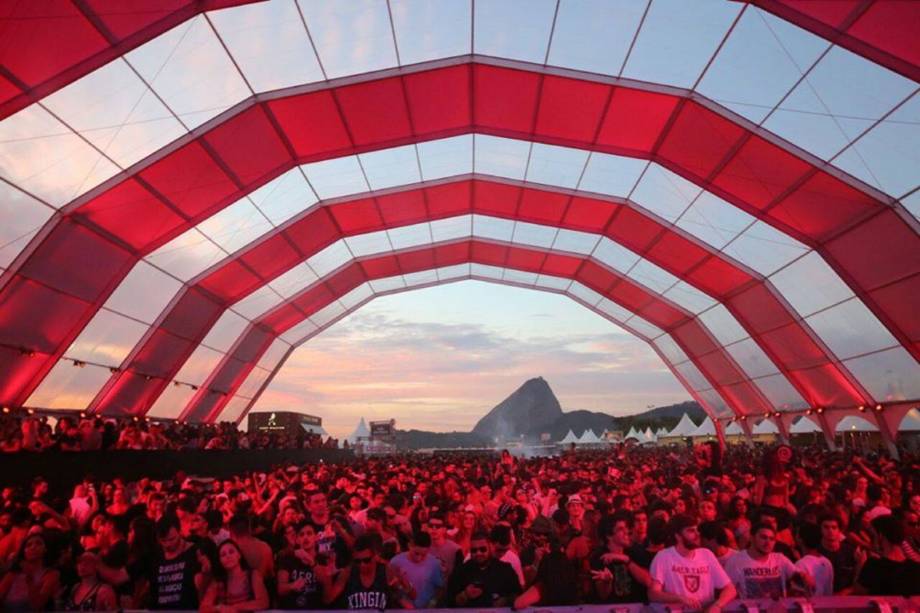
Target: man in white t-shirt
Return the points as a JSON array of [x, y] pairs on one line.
[[812, 563], [688, 574], [760, 572]]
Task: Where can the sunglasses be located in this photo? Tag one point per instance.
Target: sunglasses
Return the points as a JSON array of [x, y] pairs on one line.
[[364, 560], [478, 549]]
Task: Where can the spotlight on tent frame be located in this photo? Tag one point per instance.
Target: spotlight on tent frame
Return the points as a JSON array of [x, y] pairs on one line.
[[861, 408], [878, 408]]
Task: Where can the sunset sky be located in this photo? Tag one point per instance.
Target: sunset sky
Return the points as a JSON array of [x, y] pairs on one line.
[[440, 358]]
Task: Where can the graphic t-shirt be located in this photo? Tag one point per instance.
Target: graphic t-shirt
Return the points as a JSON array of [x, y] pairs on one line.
[[765, 578], [424, 576], [173, 582], [625, 588], [697, 576], [310, 595]]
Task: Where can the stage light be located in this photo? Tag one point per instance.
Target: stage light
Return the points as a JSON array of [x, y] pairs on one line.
[[194, 387], [147, 377], [30, 411], [820, 410], [82, 414], [6, 409], [861, 408], [878, 408], [79, 364], [114, 370], [776, 414], [808, 412], [743, 417]]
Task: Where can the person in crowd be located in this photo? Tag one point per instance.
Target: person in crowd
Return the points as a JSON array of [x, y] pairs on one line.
[[421, 570], [172, 585], [556, 580], [891, 573], [257, 552], [236, 586], [760, 572], [91, 593], [688, 574], [368, 583], [483, 580], [445, 550], [31, 583], [812, 563], [717, 538], [619, 569], [846, 558], [298, 578]]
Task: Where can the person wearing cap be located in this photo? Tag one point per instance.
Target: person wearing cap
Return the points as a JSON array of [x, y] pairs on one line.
[[688, 574], [90, 593]]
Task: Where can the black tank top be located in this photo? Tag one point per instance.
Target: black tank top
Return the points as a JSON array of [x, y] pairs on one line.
[[87, 603], [374, 597]]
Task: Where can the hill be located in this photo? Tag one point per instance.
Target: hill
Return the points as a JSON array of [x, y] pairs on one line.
[[533, 407]]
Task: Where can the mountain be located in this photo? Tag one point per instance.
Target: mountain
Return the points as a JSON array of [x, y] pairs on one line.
[[530, 408]]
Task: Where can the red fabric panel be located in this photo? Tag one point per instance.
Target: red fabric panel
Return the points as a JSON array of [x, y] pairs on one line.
[[489, 254], [403, 208], [699, 140], [449, 200], [892, 27], [504, 99], [632, 297], [821, 206], [439, 100], [830, 12], [249, 145], [190, 179], [18, 370], [357, 217], [34, 316], [130, 212], [254, 342], [589, 215], [452, 255], [556, 120], [759, 172], [497, 199], [676, 253], [192, 313], [718, 277], [893, 250], [313, 232], [312, 124], [559, 265], [414, 261], [539, 207], [283, 318], [313, 299], [126, 17], [231, 281], [129, 394], [900, 302], [380, 267], [595, 276], [346, 280], [526, 260], [662, 313], [375, 112], [621, 132], [77, 261], [8, 91], [271, 257], [156, 355], [633, 229]]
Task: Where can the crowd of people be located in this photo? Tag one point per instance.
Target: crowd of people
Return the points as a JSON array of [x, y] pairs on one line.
[[22, 431], [670, 525]]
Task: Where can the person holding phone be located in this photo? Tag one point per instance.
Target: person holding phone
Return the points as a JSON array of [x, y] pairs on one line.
[[483, 580]]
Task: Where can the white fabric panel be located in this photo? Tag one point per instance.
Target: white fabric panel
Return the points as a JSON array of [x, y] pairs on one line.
[[172, 401], [516, 29], [777, 389], [144, 293], [575, 242], [595, 35], [664, 193], [723, 324], [190, 71], [225, 331], [431, 29], [670, 349], [614, 255], [410, 236], [533, 235], [493, 227], [369, 243], [107, 339], [69, 387], [327, 314], [551, 282], [614, 310], [810, 285], [274, 354], [585, 294], [751, 358], [613, 175], [187, 255], [199, 365], [520, 277], [457, 271], [253, 382], [643, 327], [294, 280], [283, 197], [423, 277], [764, 248], [301, 330], [715, 402], [114, 110], [357, 296], [889, 375], [452, 228], [652, 276], [235, 226], [489, 272], [41, 156], [336, 177], [850, 329], [350, 37], [552, 165], [500, 157], [693, 376], [446, 157], [233, 409], [689, 297], [331, 258], [269, 43], [714, 221], [387, 284], [257, 302], [391, 167], [22, 216], [677, 39]]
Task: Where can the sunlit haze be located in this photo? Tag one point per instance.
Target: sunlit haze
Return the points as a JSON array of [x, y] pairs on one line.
[[440, 358]]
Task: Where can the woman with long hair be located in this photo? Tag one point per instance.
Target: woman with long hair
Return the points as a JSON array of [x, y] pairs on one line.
[[30, 585], [90, 593], [236, 586]]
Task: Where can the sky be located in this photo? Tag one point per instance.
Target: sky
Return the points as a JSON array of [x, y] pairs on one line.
[[440, 358]]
